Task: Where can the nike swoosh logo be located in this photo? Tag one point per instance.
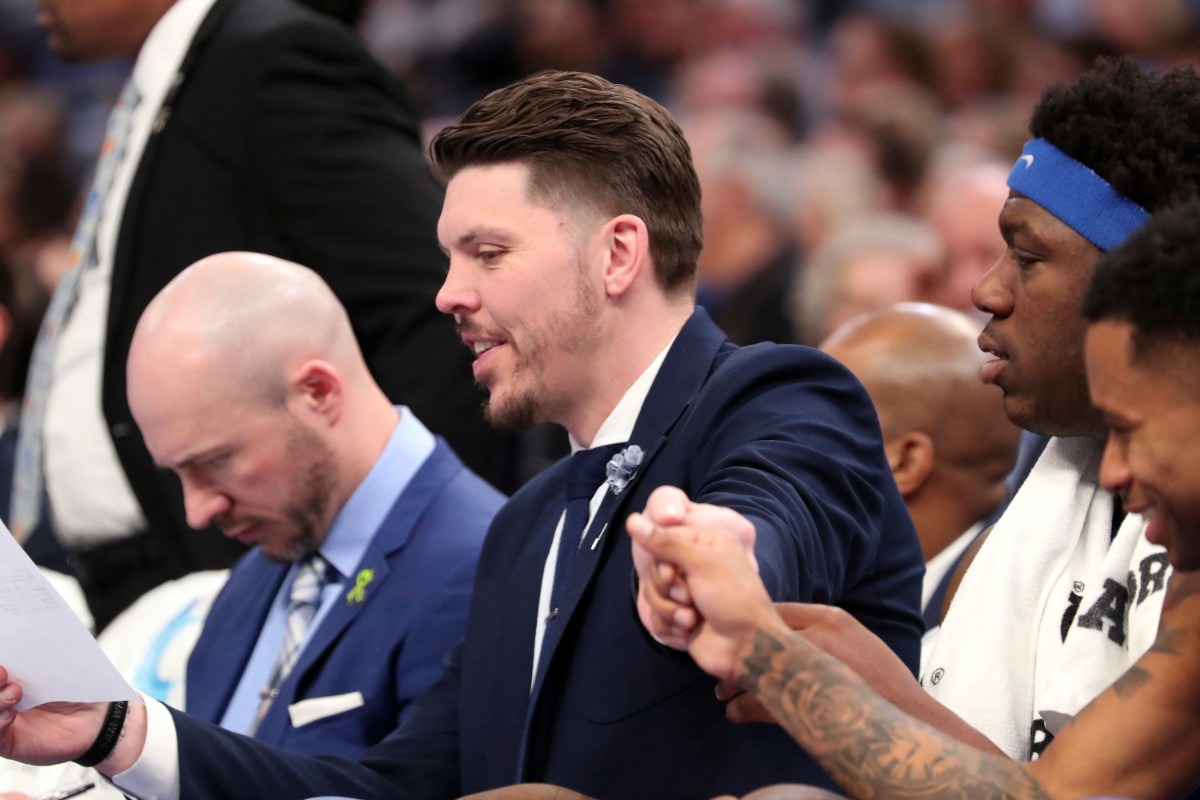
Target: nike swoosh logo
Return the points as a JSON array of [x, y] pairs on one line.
[[1028, 159]]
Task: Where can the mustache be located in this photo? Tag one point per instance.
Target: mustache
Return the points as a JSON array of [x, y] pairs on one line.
[[466, 327]]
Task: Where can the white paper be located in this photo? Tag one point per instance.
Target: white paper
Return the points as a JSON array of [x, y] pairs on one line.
[[43, 645]]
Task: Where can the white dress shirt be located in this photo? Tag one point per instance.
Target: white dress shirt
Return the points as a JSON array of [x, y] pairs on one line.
[[90, 497]]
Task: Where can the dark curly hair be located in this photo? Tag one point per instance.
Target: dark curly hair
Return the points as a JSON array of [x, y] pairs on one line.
[[1138, 130], [588, 141], [1152, 281]]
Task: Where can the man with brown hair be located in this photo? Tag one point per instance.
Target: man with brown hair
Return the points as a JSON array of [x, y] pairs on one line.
[[572, 224]]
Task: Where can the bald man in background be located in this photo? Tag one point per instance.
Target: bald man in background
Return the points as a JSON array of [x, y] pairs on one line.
[[947, 438], [246, 380]]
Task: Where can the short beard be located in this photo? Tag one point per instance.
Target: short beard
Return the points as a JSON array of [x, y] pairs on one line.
[[518, 414], [525, 407], [311, 494]]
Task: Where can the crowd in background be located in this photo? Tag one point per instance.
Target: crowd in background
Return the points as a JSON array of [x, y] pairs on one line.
[[852, 154]]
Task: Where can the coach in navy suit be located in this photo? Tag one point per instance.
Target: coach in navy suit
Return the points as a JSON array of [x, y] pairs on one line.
[[391, 510], [572, 224]]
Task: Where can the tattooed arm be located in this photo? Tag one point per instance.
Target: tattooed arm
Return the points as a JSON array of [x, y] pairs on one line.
[[1141, 738], [661, 597]]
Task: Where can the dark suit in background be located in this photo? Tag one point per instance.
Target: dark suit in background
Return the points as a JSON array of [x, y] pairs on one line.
[[283, 136], [388, 646], [784, 435]]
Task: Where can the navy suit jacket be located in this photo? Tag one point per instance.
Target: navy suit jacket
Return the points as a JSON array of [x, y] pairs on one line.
[[784, 435], [389, 646]]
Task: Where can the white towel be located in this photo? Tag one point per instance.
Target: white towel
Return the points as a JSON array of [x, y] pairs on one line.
[[1092, 657], [1000, 654]]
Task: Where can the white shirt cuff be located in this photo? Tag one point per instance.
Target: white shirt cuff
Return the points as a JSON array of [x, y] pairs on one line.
[[155, 775]]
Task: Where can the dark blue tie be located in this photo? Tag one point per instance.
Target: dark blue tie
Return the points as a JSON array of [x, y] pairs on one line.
[[585, 472]]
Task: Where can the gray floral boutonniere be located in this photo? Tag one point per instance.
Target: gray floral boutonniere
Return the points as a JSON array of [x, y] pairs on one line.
[[622, 467]]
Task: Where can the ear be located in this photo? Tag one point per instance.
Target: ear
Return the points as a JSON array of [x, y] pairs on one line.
[[911, 457], [316, 387], [626, 243]]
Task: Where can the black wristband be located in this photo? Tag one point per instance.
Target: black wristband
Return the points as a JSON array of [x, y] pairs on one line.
[[110, 733]]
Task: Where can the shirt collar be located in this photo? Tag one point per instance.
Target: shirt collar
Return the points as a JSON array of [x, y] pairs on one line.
[[355, 525], [164, 49], [618, 426]]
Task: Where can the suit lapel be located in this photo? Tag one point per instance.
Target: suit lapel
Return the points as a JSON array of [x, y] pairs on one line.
[[681, 377], [232, 639], [361, 588]]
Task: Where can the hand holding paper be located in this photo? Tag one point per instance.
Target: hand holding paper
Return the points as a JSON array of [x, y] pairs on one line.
[[43, 645]]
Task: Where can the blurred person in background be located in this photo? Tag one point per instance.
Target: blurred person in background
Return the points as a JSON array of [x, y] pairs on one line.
[[245, 125], [867, 264], [748, 261], [961, 202], [948, 441]]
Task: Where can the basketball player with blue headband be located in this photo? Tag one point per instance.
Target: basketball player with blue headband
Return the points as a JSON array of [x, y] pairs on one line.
[[1064, 592]]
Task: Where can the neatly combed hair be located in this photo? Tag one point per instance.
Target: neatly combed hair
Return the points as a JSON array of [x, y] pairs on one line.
[[1152, 281], [1138, 130], [589, 142]]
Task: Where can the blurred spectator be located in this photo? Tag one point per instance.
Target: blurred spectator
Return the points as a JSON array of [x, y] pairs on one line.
[[962, 203], [833, 183], [947, 439], [865, 265], [283, 136], [749, 258], [973, 58]]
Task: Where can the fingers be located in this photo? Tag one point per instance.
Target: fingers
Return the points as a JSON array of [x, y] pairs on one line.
[[667, 505], [800, 616], [663, 602], [727, 690], [745, 708], [10, 695]]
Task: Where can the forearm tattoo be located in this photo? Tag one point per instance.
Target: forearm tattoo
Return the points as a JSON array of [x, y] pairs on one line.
[[865, 744]]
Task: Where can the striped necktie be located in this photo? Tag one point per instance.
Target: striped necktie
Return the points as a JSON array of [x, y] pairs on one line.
[[27, 472], [311, 578]]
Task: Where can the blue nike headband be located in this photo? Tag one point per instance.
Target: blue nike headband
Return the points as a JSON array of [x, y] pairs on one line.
[[1072, 192]]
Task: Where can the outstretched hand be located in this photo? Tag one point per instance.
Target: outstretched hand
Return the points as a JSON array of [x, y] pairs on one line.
[[726, 600], [664, 602]]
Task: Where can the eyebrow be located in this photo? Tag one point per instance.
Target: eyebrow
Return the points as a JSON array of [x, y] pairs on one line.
[[488, 232], [188, 461], [1010, 228]]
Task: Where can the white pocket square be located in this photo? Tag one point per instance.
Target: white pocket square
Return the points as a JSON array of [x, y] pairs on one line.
[[315, 708]]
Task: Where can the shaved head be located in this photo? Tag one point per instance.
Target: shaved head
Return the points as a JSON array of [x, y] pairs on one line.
[[920, 365], [244, 317], [245, 378]]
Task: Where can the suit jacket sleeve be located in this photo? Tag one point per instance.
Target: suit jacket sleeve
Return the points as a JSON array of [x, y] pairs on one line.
[[422, 764], [794, 445]]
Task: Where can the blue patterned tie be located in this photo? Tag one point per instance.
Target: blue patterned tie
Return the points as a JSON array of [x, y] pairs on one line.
[[585, 472], [27, 472], [313, 574]]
